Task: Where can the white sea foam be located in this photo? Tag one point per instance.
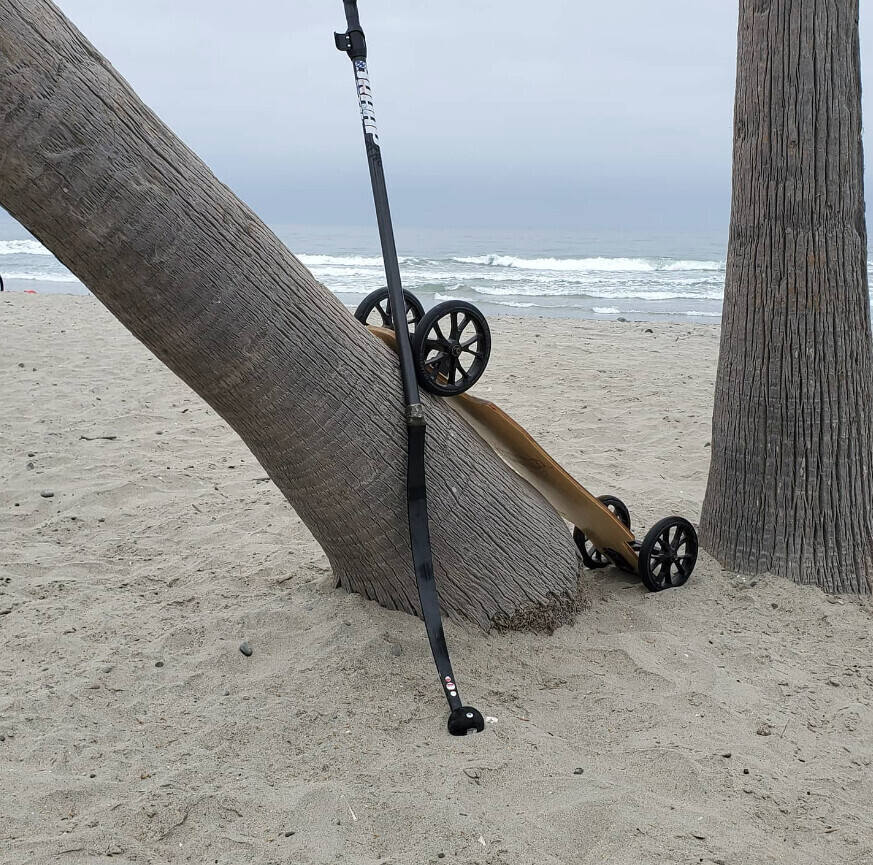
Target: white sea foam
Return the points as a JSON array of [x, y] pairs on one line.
[[39, 277], [514, 303], [596, 264], [22, 247], [605, 291], [689, 312], [341, 260], [692, 265], [606, 310], [439, 298]]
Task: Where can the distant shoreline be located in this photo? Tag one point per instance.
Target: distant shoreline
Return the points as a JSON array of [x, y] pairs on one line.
[[67, 289]]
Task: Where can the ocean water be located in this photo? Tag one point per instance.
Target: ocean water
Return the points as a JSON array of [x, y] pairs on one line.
[[655, 276]]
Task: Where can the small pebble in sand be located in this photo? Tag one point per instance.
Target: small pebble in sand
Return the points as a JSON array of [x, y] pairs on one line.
[[621, 319], [108, 668], [289, 834], [727, 755], [47, 494], [246, 649], [765, 729], [578, 771], [396, 650], [225, 693], [745, 771], [31, 453], [159, 663], [29, 466]]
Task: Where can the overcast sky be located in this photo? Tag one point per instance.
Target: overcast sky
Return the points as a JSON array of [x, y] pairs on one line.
[[554, 113]]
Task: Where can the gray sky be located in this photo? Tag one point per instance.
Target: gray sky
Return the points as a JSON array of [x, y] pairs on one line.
[[554, 113]]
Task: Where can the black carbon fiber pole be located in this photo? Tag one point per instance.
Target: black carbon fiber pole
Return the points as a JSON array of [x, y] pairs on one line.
[[463, 719]]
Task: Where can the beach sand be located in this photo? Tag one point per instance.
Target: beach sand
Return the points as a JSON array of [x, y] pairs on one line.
[[725, 722]]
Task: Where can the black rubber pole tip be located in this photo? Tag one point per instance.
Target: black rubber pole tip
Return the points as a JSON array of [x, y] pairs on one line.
[[466, 720]]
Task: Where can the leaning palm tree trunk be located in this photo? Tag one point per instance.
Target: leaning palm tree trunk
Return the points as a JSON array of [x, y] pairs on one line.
[[207, 287]]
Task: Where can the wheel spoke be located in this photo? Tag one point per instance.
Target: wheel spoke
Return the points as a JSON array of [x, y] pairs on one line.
[[464, 371], [469, 342], [454, 319], [385, 312], [442, 336]]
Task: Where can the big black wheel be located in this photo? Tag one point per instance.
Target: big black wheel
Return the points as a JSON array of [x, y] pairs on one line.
[[451, 346], [591, 556], [375, 309], [668, 554]]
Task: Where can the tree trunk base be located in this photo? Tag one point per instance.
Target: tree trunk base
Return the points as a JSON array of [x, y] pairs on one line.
[[843, 572]]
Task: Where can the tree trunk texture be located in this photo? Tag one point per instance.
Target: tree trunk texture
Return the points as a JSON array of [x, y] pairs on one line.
[[207, 287], [790, 483]]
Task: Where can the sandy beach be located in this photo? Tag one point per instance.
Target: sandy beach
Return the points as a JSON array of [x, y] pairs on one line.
[[140, 544]]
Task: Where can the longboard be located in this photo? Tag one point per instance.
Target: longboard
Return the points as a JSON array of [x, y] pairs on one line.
[[521, 452]]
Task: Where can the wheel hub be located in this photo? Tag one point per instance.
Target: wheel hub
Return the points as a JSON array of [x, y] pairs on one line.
[[456, 348]]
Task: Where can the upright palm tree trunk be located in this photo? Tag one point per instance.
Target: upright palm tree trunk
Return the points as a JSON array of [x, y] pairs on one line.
[[790, 484], [200, 280]]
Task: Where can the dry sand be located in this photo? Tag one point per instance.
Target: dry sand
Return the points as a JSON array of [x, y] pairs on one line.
[[726, 722]]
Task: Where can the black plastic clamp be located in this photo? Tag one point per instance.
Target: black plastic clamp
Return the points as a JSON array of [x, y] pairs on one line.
[[353, 43]]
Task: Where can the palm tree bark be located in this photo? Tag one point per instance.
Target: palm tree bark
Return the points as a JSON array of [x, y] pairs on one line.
[[207, 287], [792, 449]]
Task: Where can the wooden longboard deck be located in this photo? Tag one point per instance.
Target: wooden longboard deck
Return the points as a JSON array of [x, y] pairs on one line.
[[519, 450]]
